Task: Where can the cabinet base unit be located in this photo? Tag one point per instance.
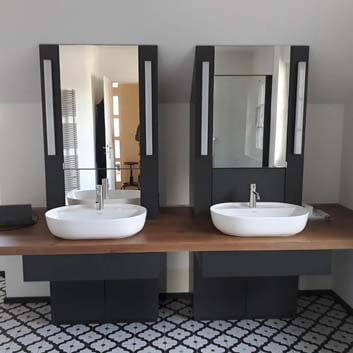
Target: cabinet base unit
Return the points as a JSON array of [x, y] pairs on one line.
[[131, 300], [99, 288], [77, 302], [237, 285], [104, 301]]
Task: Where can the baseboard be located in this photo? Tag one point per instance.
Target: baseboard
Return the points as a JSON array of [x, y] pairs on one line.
[[179, 295], [187, 296], [315, 291], [22, 300], [328, 292], [343, 303]]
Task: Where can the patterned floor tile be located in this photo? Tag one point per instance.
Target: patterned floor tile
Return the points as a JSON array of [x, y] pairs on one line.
[[322, 325]]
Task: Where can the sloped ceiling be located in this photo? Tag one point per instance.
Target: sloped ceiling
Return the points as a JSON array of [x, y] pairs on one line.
[[176, 27]]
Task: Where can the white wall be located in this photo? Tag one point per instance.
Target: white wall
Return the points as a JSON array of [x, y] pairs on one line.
[[347, 159], [16, 287], [21, 154], [323, 151], [343, 260], [174, 154], [174, 180]]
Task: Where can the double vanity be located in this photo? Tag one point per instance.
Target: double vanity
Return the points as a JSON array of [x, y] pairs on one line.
[[231, 276], [102, 240]]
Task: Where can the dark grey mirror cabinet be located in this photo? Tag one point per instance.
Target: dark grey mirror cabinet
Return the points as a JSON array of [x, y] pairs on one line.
[[100, 121], [247, 126]]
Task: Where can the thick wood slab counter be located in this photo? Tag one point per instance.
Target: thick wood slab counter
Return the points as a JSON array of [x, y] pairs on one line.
[[176, 230]]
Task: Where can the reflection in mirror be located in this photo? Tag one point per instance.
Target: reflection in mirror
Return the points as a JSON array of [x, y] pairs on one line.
[[100, 114], [250, 106]]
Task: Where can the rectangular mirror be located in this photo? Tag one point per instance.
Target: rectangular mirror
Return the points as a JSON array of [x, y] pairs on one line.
[[250, 113], [100, 116]]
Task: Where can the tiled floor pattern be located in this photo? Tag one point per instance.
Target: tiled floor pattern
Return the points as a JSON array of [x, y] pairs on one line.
[[322, 325]]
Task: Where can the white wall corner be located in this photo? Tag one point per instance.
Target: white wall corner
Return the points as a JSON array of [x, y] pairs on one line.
[[343, 275]]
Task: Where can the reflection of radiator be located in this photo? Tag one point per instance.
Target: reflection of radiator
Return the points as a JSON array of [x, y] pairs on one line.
[[68, 107]]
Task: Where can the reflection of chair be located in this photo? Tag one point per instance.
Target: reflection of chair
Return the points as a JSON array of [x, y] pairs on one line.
[[131, 182]]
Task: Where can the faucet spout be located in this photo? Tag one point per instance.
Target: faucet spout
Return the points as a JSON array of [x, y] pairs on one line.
[[105, 188], [99, 198], [254, 196]]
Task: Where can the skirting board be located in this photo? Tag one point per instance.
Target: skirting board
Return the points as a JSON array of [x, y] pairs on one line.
[[164, 296]]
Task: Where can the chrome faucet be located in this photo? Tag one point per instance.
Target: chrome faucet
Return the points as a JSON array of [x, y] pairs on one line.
[[105, 188], [254, 196], [99, 198]]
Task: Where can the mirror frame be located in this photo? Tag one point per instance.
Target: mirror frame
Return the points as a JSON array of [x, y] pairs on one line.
[[54, 172], [202, 175]]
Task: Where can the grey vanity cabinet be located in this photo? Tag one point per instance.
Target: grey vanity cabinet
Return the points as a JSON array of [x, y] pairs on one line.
[[99, 287], [252, 284]]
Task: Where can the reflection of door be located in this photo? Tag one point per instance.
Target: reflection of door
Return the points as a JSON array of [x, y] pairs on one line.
[[109, 139], [127, 121], [100, 143]]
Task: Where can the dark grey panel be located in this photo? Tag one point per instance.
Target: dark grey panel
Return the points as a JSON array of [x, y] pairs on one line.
[[271, 297], [201, 166], [92, 267], [131, 300], [54, 173], [149, 178], [233, 185], [77, 302], [264, 263], [295, 163]]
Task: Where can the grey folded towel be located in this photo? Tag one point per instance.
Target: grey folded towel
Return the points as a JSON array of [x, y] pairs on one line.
[[16, 215]]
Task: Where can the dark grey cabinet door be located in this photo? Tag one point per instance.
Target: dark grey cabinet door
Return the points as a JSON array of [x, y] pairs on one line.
[[148, 80]]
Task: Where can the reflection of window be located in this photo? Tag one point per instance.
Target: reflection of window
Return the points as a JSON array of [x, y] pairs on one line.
[[260, 116], [117, 149], [116, 132], [115, 84], [116, 127], [115, 105]]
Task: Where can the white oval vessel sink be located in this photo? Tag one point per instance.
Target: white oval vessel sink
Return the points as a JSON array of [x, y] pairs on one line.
[[85, 222], [267, 219], [88, 197]]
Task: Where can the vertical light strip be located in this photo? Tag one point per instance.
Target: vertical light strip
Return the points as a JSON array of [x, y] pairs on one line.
[[204, 107], [148, 107], [299, 110], [49, 107]]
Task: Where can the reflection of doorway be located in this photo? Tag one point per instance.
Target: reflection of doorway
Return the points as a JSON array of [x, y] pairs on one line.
[[100, 143], [125, 101], [109, 132]]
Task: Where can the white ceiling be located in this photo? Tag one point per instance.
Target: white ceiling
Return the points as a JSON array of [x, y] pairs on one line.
[[176, 27]]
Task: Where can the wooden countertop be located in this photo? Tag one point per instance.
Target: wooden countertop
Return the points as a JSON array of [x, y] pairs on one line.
[[177, 230]]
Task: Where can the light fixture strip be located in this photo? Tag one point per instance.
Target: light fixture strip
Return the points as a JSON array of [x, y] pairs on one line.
[[204, 107], [49, 107], [148, 107], [299, 110]]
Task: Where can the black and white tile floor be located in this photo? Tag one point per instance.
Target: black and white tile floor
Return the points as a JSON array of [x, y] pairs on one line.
[[322, 325]]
